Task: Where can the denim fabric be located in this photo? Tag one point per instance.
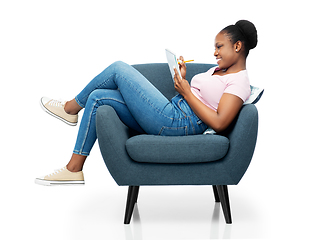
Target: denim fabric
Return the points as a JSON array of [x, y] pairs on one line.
[[138, 104]]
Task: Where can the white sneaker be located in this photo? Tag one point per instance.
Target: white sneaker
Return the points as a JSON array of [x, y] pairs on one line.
[[61, 177], [56, 109]]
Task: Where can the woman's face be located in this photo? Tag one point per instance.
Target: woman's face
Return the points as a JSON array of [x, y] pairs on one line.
[[225, 51]]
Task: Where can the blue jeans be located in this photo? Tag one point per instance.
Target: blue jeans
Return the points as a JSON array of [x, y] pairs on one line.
[[138, 104]]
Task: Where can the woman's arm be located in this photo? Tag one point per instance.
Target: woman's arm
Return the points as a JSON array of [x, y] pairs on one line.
[[219, 120]]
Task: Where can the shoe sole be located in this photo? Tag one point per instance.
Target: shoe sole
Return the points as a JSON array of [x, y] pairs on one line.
[[56, 116], [57, 183]]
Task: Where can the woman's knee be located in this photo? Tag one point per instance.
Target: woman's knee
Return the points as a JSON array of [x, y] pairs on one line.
[[119, 65], [105, 97], [95, 95]]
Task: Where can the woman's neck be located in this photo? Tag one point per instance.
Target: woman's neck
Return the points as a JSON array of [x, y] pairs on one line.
[[239, 66]]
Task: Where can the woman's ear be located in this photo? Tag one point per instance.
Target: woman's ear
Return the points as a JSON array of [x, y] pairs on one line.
[[238, 46]]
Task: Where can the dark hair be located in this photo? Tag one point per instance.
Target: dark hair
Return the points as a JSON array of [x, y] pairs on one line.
[[243, 31]]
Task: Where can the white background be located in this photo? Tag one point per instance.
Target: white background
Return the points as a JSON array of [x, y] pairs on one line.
[[53, 48]]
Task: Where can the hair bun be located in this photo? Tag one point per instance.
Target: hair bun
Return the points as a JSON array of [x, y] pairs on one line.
[[249, 31]]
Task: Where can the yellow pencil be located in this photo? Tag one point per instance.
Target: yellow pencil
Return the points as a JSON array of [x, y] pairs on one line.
[[187, 61]]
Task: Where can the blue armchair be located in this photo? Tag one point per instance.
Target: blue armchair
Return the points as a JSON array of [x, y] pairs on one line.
[[136, 160]]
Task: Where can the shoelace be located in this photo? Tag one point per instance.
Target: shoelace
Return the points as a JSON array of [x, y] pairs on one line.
[[56, 172], [57, 103]]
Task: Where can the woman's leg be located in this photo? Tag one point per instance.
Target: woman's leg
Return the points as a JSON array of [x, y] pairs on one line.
[[87, 132], [76, 163], [146, 104], [87, 129], [109, 88], [72, 107], [137, 102]]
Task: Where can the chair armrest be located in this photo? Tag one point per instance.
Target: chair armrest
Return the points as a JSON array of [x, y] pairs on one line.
[[112, 136], [242, 134]]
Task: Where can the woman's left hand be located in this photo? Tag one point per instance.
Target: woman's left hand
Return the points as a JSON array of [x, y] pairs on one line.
[[181, 85]]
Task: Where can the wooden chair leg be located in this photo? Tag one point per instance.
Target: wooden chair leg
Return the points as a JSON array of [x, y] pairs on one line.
[[132, 197], [224, 199], [216, 194]]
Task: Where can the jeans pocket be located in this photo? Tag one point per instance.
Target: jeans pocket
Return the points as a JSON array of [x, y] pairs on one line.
[[173, 131], [200, 126]]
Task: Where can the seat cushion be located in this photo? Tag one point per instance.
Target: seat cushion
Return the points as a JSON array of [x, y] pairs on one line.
[[178, 149]]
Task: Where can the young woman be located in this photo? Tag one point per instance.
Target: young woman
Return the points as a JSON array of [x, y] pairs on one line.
[[212, 100]]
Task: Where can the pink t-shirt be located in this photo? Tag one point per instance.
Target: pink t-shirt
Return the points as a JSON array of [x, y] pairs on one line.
[[209, 88]]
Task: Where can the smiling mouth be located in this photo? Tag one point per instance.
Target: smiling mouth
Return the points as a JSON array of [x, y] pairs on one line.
[[218, 59]]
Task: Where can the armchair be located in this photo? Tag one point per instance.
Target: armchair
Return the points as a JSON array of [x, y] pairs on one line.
[[139, 160]]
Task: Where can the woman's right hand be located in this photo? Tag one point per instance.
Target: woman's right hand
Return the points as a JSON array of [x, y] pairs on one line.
[[182, 67]]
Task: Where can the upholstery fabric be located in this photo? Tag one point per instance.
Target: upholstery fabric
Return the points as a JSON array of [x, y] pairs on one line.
[[161, 149], [126, 171], [113, 135]]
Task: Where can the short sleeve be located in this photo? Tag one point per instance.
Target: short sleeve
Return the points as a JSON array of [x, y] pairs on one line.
[[239, 86]]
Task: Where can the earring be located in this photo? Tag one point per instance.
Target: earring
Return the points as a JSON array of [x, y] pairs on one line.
[[236, 50]]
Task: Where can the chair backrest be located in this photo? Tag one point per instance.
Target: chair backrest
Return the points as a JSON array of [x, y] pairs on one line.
[[159, 75]]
